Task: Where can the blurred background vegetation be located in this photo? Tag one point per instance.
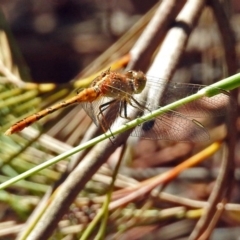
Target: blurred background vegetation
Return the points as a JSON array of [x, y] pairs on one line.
[[60, 38]]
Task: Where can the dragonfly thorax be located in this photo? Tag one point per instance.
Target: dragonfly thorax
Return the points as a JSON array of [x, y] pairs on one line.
[[120, 86]]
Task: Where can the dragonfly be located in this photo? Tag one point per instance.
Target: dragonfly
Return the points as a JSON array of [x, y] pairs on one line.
[[114, 94]]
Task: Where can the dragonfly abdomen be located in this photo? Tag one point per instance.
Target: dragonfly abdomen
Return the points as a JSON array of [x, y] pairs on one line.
[[90, 95]]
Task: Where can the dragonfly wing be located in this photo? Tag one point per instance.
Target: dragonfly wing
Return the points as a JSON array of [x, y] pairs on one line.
[[172, 126], [102, 111], [206, 106], [88, 107]]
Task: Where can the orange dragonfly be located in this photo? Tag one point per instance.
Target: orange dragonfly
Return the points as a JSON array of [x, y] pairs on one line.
[[114, 94]]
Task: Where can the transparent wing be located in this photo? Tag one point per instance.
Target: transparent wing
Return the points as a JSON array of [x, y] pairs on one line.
[[206, 106], [103, 111], [172, 126]]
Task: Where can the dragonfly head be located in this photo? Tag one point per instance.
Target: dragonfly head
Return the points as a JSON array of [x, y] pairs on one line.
[[139, 80]]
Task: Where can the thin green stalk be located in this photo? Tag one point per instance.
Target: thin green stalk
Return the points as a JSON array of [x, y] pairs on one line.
[[19, 99], [31, 186], [104, 211], [102, 229], [226, 84]]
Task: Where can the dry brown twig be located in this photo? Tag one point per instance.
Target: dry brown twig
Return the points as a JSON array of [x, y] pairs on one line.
[[223, 183]]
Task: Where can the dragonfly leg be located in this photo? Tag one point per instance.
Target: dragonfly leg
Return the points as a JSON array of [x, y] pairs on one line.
[[103, 121], [138, 105], [123, 106], [147, 125]]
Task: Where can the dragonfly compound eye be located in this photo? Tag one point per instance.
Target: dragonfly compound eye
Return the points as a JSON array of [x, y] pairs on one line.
[[139, 81]]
